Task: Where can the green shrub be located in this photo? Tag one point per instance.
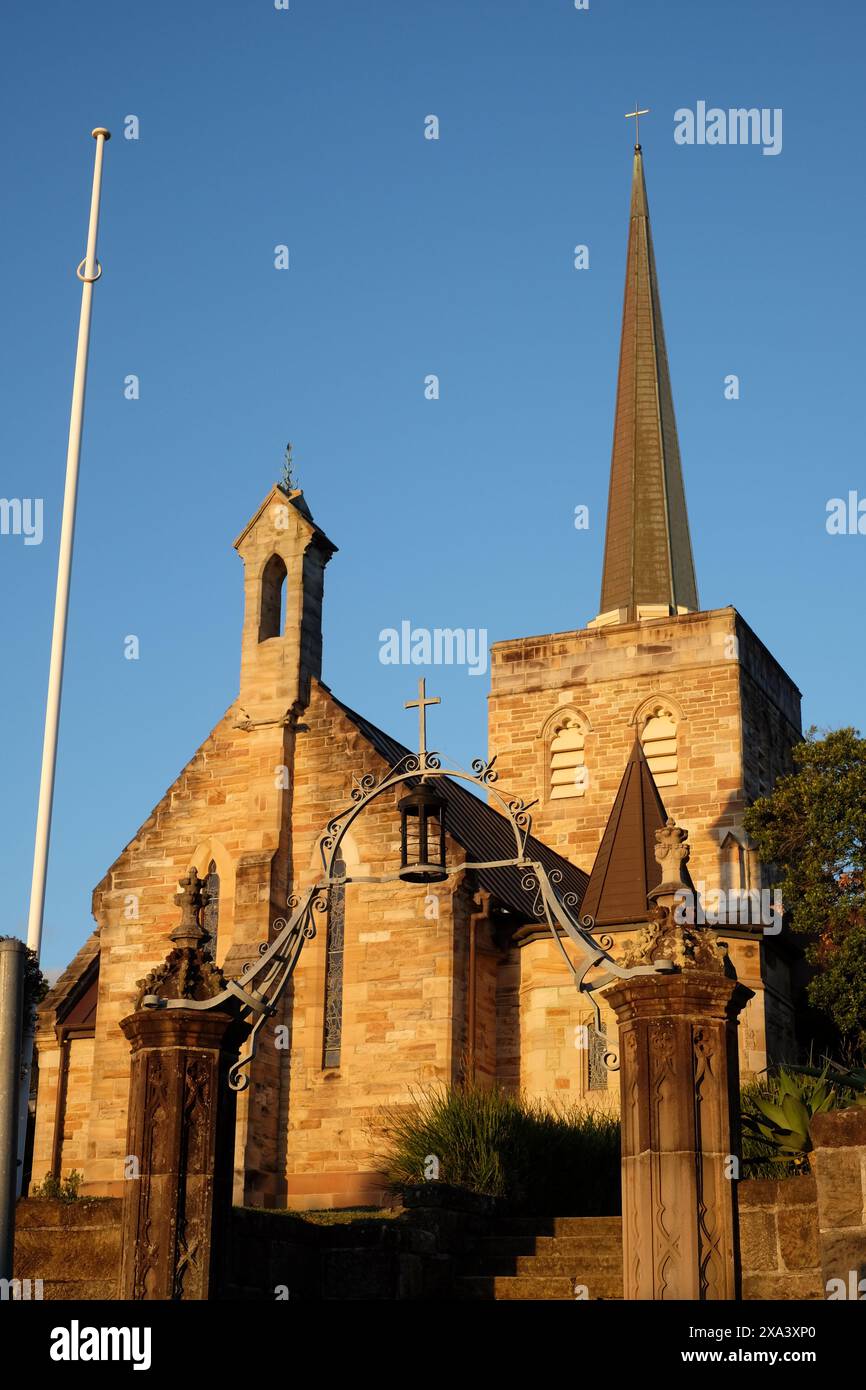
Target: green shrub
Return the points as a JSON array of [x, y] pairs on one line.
[[847, 1079], [549, 1160], [59, 1190]]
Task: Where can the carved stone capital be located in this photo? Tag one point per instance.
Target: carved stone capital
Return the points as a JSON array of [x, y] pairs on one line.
[[687, 947], [186, 973]]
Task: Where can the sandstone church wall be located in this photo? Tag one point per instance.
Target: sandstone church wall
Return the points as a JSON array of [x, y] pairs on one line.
[[226, 807], [75, 1118], [404, 1002], [559, 1057]]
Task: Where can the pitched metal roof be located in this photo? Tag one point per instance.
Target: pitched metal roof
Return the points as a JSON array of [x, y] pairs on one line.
[[70, 986], [482, 831], [647, 552], [625, 868]]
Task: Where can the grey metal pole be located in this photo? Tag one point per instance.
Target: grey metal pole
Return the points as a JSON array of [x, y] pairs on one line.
[[12, 960], [88, 273]]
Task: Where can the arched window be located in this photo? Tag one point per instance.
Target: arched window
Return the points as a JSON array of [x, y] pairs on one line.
[[271, 615], [211, 908], [565, 752], [333, 1029], [659, 740], [732, 865]]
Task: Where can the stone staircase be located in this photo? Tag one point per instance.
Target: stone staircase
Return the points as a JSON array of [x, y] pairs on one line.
[[543, 1259]]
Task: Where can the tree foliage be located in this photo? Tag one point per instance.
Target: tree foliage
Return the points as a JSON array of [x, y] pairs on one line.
[[813, 829], [35, 983]]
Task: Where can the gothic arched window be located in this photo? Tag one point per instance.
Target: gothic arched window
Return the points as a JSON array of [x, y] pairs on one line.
[[333, 1029], [211, 908], [273, 596]]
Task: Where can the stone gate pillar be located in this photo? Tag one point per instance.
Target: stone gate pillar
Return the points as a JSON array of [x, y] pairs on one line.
[[181, 1123], [679, 1086]]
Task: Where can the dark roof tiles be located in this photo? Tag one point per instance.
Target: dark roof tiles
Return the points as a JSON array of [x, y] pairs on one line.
[[483, 832]]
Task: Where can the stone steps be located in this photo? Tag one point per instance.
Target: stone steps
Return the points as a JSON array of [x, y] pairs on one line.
[[561, 1262], [531, 1226], [563, 1258], [574, 1245], [488, 1266], [552, 1288], [474, 1288], [505, 1246], [588, 1227]]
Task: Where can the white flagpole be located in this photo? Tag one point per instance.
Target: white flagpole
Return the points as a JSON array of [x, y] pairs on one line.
[[88, 272]]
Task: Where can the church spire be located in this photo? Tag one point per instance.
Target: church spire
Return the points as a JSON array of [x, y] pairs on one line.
[[648, 566]]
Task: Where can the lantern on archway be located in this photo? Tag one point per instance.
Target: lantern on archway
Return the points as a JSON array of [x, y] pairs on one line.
[[422, 835]]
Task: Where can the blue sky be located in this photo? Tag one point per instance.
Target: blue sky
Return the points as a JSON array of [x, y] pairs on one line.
[[408, 257]]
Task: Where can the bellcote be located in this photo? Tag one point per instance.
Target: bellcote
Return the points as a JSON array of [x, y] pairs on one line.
[[284, 554]]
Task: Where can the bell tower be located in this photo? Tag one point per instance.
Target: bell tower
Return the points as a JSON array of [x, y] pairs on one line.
[[689, 694], [284, 555]]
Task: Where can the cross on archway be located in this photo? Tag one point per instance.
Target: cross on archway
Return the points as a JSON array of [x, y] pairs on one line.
[[421, 705]]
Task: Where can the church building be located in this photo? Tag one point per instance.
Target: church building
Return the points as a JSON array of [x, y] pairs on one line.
[[653, 707]]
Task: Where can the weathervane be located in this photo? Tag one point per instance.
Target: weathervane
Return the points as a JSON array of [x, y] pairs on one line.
[[637, 113], [289, 483]]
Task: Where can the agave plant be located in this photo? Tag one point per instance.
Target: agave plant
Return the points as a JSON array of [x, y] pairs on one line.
[[784, 1117], [846, 1078]]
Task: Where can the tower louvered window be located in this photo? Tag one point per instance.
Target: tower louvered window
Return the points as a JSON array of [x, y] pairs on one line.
[[568, 773], [659, 741]]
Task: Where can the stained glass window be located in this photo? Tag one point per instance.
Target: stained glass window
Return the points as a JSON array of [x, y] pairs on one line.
[[333, 1031], [596, 1070], [211, 908]]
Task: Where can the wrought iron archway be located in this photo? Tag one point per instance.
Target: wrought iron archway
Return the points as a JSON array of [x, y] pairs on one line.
[[261, 983]]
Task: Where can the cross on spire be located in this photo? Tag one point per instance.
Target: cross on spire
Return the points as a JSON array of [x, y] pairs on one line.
[[637, 113], [421, 705]]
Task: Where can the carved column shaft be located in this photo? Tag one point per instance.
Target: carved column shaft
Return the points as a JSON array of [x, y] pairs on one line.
[[678, 1078], [180, 1141]]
